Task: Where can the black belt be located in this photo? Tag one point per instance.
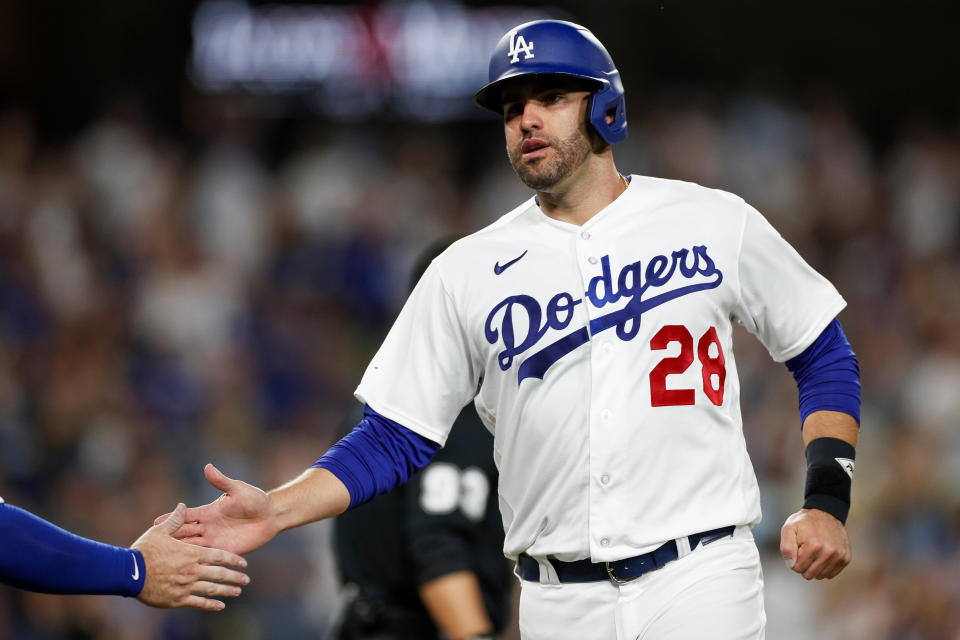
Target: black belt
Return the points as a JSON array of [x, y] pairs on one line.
[[621, 571]]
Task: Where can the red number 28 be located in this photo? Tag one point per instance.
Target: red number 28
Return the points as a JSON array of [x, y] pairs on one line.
[[660, 396]]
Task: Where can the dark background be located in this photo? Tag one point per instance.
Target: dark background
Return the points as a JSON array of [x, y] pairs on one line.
[[886, 60]]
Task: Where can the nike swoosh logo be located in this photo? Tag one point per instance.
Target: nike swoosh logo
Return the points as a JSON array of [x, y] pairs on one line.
[[497, 269], [136, 568]]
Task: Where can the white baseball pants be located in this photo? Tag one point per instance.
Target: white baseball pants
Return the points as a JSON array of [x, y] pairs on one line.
[[714, 591]]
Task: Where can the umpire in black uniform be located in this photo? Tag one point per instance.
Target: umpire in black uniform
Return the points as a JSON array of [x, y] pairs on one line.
[[425, 561]]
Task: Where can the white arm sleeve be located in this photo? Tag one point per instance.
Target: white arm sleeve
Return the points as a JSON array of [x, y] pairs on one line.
[[783, 301], [423, 374]]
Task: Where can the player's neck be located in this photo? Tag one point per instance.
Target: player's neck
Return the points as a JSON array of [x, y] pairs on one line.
[[584, 193]]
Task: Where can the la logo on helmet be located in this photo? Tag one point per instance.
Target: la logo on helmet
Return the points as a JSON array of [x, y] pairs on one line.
[[518, 45]]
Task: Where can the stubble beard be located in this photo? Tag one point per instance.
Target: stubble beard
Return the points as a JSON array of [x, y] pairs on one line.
[[545, 172]]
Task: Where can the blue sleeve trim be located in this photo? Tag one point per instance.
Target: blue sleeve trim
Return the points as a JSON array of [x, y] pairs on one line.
[[378, 455], [39, 556], [828, 375]]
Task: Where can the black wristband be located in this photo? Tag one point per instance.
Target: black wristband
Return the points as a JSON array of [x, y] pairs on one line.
[[830, 463]]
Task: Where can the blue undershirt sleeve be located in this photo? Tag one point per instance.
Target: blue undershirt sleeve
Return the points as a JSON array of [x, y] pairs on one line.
[[378, 455], [827, 375], [38, 556]]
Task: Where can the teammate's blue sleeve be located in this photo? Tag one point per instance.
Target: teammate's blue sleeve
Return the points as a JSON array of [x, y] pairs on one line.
[[39, 556], [828, 374], [378, 455]]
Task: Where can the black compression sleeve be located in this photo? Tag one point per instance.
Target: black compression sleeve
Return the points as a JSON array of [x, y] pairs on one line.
[[830, 463]]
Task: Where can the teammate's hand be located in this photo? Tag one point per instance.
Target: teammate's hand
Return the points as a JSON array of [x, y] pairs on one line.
[[814, 544], [239, 521], [180, 575]]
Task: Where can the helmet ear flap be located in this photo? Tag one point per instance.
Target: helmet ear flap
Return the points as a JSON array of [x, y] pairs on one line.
[[603, 103]]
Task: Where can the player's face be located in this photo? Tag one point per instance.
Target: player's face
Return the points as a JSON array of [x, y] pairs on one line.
[[545, 125]]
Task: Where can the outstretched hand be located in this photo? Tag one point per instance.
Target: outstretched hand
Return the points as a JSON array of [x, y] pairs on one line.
[[814, 544], [239, 521], [181, 575]]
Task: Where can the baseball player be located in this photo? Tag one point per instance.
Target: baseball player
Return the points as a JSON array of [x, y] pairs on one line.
[[427, 558], [592, 327], [156, 569]]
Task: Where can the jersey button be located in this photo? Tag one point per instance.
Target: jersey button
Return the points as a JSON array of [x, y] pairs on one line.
[[592, 260], [606, 414], [604, 542], [585, 235], [604, 479], [607, 347]]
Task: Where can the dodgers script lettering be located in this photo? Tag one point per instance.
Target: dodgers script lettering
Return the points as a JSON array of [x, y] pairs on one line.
[[633, 282]]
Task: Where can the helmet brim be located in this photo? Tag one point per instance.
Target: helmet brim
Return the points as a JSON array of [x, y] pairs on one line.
[[489, 96]]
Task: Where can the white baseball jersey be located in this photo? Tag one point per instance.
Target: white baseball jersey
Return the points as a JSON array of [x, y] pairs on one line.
[[601, 358]]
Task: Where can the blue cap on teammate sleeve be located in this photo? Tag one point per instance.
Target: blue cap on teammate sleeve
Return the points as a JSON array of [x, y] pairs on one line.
[[560, 48]]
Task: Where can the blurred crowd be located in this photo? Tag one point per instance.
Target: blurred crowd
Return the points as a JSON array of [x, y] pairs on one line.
[[214, 294]]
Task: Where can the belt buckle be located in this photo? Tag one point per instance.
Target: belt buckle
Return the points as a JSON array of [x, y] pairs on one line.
[[614, 579]]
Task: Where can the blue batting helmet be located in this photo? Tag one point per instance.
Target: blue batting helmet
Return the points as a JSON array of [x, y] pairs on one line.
[[560, 48]]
